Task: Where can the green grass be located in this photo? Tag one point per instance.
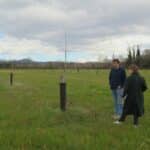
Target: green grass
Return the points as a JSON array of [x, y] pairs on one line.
[[30, 118]]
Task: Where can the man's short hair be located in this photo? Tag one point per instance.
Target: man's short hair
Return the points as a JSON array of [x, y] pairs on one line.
[[116, 60]]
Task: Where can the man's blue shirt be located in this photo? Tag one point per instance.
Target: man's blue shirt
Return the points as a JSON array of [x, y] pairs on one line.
[[117, 78]]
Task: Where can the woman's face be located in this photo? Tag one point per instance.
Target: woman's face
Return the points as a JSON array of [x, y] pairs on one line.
[[130, 71]]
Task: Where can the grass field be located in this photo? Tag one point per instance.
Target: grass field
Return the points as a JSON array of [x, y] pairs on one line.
[[30, 118]]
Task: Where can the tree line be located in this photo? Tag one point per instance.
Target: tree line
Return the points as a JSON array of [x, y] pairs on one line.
[[135, 56]]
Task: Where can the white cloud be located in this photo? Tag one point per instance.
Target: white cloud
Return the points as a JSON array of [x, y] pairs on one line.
[[15, 48]]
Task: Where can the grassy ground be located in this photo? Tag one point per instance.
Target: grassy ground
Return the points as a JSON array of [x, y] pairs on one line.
[[30, 117]]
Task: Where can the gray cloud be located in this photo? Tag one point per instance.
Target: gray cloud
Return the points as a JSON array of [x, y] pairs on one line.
[[86, 22]]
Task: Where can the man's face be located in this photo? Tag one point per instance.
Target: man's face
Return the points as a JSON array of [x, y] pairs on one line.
[[115, 65]]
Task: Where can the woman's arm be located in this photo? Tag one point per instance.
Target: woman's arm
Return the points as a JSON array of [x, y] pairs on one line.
[[126, 86], [144, 85]]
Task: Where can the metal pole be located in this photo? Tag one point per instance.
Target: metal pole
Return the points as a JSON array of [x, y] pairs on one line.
[[65, 63], [63, 94], [63, 86]]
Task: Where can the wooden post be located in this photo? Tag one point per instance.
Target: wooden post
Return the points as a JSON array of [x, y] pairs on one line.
[[11, 78], [63, 94]]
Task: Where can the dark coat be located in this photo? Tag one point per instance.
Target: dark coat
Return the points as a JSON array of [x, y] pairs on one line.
[[117, 78], [134, 88]]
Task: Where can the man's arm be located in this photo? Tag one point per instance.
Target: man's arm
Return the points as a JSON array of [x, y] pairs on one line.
[[110, 74]]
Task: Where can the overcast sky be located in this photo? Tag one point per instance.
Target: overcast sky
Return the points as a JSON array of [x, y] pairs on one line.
[[95, 28]]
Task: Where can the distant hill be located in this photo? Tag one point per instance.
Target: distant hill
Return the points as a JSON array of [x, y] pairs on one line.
[[29, 63]]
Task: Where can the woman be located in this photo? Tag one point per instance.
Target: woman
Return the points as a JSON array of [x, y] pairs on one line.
[[135, 86]]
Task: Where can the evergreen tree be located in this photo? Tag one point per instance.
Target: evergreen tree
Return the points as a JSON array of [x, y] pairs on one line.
[[133, 55], [138, 56], [130, 58]]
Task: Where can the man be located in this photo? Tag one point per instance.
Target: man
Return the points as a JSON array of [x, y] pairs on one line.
[[117, 79]]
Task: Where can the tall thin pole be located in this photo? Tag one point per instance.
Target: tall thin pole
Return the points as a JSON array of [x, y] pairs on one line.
[[63, 85], [65, 63]]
